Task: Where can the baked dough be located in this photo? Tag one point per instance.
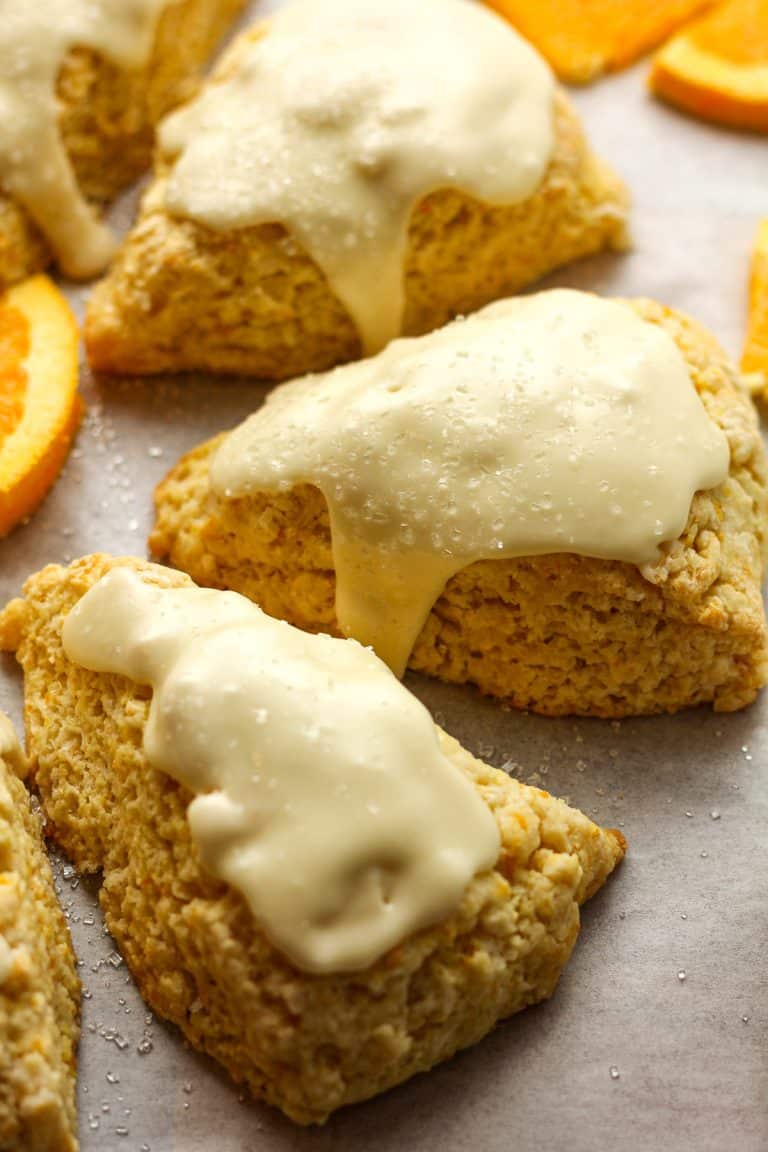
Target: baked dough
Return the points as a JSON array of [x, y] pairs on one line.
[[558, 634], [308, 1044], [108, 116], [39, 991], [181, 296]]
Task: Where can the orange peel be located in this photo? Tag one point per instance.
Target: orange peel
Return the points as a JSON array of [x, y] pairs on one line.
[[582, 39], [40, 407], [717, 67], [755, 358]]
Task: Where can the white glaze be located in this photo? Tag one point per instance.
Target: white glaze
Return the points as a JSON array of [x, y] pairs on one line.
[[344, 115], [322, 792], [559, 422], [35, 37]]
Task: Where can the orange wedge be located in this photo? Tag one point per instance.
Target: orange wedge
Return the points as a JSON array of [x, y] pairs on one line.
[[40, 407], [582, 39], [717, 67], [755, 357]]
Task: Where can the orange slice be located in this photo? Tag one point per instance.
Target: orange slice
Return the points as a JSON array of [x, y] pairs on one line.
[[717, 67], [584, 38], [40, 407], [755, 357]]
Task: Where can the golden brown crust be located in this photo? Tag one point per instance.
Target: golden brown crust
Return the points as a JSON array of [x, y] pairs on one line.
[[181, 296], [557, 634], [39, 991], [108, 117], [308, 1044]]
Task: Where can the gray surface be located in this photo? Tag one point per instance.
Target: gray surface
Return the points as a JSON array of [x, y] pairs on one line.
[[692, 1054]]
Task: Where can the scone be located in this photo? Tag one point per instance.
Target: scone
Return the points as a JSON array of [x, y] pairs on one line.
[[311, 1033], [569, 619], [344, 180], [106, 108], [39, 991]]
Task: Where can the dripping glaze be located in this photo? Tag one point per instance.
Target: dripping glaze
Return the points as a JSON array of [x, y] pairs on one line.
[[343, 115], [559, 422], [321, 790], [35, 38]]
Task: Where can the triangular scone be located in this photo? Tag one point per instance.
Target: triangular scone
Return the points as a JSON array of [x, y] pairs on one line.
[[308, 1044], [558, 634], [39, 991], [182, 296], [107, 118]]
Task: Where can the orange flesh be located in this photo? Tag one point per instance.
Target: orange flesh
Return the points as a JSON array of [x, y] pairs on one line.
[[737, 32], [717, 67], [756, 349], [581, 39], [14, 348], [39, 404]]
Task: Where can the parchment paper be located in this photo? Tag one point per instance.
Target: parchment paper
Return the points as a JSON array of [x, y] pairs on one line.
[[657, 1038]]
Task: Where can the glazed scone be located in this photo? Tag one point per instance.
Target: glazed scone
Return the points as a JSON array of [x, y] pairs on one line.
[[39, 991], [306, 1043], [185, 295], [107, 116], [560, 633]]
